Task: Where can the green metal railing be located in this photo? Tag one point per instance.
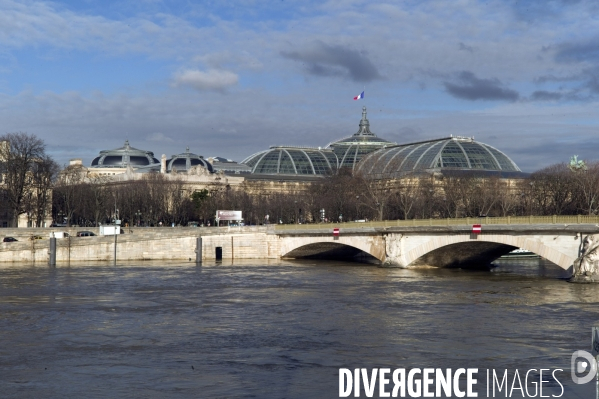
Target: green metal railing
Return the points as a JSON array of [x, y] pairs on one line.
[[520, 220]]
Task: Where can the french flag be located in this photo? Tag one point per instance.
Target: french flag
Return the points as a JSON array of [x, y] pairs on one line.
[[361, 95]]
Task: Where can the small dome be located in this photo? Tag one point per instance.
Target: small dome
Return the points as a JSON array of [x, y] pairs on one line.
[[453, 153], [351, 149], [123, 157], [292, 161], [185, 161]]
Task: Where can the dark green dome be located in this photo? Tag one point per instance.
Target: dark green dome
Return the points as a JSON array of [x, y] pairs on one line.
[[124, 157], [187, 160], [451, 153], [292, 161]]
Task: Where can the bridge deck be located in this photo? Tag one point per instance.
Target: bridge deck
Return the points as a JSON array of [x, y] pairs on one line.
[[485, 221]]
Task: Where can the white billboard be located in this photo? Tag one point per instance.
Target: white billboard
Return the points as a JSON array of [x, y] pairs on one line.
[[110, 230], [228, 215]]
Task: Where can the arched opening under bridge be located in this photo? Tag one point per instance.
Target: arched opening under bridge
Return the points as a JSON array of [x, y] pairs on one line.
[[464, 252], [331, 251], [465, 255]]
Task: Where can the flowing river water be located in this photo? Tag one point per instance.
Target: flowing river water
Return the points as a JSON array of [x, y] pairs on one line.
[[280, 329]]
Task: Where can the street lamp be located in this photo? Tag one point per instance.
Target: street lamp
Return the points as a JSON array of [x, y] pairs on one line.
[[530, 198], [357, 207], [138, 214], [430, 203]]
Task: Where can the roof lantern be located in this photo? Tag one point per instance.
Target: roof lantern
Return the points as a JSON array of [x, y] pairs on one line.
[[351, 149]]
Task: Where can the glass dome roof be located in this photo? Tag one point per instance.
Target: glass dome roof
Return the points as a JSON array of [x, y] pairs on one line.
[[123, 157], [186, 161], [452, 153], [292, 161], [351, 149]]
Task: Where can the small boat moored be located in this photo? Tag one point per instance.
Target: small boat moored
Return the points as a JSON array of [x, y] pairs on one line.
[[520, 253]]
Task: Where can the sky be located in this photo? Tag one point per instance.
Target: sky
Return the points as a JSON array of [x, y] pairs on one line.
[[231, 78]]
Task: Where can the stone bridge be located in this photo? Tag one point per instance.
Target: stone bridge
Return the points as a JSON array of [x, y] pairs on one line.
[[400, 246], [441, 246]]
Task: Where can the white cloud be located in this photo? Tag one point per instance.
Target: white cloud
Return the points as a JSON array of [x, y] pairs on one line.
[[221, 59], [210, 80]]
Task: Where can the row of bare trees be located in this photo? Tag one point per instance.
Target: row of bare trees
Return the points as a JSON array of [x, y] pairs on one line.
[[156, 200], [90, 201]]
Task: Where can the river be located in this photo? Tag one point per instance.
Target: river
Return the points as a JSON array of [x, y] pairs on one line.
[[281, 329]]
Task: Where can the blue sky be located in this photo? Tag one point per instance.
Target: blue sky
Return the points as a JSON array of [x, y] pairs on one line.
[[230, 78]]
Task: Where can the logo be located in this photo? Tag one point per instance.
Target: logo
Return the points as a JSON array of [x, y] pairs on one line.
[[583, 362]]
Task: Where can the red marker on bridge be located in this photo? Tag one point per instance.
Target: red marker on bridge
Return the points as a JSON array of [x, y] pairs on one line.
[[476, 229], [335, 232]]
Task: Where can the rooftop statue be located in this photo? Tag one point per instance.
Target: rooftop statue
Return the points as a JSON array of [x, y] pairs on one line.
[[576, 165]]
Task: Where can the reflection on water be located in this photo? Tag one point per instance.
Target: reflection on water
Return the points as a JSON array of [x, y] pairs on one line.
[[277, 329]]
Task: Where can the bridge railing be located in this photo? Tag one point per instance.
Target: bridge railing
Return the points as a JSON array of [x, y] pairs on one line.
[[515, 220]]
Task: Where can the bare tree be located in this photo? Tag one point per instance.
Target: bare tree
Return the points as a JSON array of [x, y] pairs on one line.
[[485, 194], [376, 193], [551, 190], [452, 195], [407, 195], [18, 154], [508, 199], [43, 174], [587, 188], [69, 191], [98, 197]]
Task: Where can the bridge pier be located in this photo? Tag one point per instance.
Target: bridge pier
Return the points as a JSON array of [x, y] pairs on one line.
[[586, 266], [394, 251]]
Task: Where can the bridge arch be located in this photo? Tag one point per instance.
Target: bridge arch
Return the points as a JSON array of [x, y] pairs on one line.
[[327, 246], [438, 250]]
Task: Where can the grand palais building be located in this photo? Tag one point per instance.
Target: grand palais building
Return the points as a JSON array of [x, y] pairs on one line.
[[289, 169], [285, 168]]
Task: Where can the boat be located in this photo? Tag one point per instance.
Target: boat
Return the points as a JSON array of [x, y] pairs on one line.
[[520, 253]]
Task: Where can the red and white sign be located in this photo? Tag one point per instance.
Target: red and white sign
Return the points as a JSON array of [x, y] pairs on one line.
[[335, 232], [476, 228]]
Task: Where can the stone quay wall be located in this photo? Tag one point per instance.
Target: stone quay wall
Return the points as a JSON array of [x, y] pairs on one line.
[[137, 244]]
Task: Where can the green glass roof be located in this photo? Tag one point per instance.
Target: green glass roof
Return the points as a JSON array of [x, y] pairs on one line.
[[448, 153], [292, 161]]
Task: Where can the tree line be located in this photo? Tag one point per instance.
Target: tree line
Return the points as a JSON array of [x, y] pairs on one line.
[[340, 197], [32, 185]]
